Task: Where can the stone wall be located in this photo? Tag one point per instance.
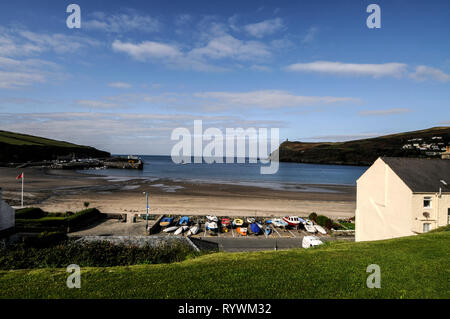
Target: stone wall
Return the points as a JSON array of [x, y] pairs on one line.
[[6, 215]]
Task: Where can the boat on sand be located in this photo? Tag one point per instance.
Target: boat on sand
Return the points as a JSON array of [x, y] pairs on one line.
[[170, 229], [310, 229], [255, 228], [238, 222], [320, 229], [166, 221], [184, 221], [180, 230], [279, 222], [292, 220], [211, 226], [212, 218], [193, 230], [242, 231]]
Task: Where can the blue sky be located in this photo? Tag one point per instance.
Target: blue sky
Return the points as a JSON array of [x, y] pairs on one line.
[[138, 69]]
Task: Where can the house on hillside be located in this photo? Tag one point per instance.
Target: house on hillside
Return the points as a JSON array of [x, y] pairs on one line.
[[402, 196], [7, 219]]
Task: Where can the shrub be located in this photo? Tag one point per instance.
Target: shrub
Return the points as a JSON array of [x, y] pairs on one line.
[[329, 223], [91, 254], [45, 239], [326, 222], [59, 221], [30, 213], [312, 216], [321, 220]]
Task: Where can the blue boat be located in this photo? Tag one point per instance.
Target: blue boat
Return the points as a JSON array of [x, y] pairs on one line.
[[184, 221], [255, 228], [269, 221], [268, 230], [166, 221]]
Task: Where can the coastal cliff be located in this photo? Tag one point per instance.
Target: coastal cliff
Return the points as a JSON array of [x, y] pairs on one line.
[[21, 148], [429, 143]]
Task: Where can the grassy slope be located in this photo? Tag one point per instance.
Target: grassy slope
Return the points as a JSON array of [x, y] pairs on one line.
[[360, 152], [20, 148], [412, 267], [23, 139]]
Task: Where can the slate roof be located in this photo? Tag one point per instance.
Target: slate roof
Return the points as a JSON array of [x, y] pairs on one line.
[[421, 175]]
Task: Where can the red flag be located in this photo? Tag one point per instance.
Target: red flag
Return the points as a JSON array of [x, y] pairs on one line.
[[20, 176]]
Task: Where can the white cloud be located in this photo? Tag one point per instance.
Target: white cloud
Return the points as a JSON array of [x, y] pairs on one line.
[[13, 80], [228, 46], [269, 99], [20, 73], [310, 35], [385, 112], [263, 68], [423, 73], [374, 70], [120, 85], [183, 19], [263, 28], [59, 43], [147, 50], [97, 104], [120, 23], [222, 47], [118, 132]]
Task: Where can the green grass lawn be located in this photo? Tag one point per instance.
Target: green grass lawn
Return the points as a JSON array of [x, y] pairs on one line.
[[411, 267]]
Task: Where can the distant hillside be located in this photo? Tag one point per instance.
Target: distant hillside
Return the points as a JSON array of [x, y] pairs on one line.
[[424, 143], [21, 148]]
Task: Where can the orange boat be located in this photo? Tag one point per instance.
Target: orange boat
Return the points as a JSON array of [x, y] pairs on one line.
[[242, 231]]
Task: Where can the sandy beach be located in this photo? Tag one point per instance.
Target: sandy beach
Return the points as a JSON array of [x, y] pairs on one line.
[[61, 190]]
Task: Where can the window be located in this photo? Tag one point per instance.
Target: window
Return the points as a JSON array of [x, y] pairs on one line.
[[427, 202], [426, 227]]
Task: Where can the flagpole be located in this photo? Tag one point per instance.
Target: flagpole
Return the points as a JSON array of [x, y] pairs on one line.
[[23, 177]]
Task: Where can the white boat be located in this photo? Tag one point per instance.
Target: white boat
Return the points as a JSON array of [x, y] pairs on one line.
[[279, 223], [193, 230], [180, 230], [211, 226], [308, 222], [311, 241], [320, 229], [310, 228], [250, 220], [292, 220], [170, 229], [212, 218]]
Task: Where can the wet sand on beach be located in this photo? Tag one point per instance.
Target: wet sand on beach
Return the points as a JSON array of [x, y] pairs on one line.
[[64, 190]]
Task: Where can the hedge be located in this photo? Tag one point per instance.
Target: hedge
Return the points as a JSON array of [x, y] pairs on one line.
[[93, 254], [30, 213], [51, 222]]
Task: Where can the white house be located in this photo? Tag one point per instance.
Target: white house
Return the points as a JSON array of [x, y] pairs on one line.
[[6, 216], [402, 196]]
